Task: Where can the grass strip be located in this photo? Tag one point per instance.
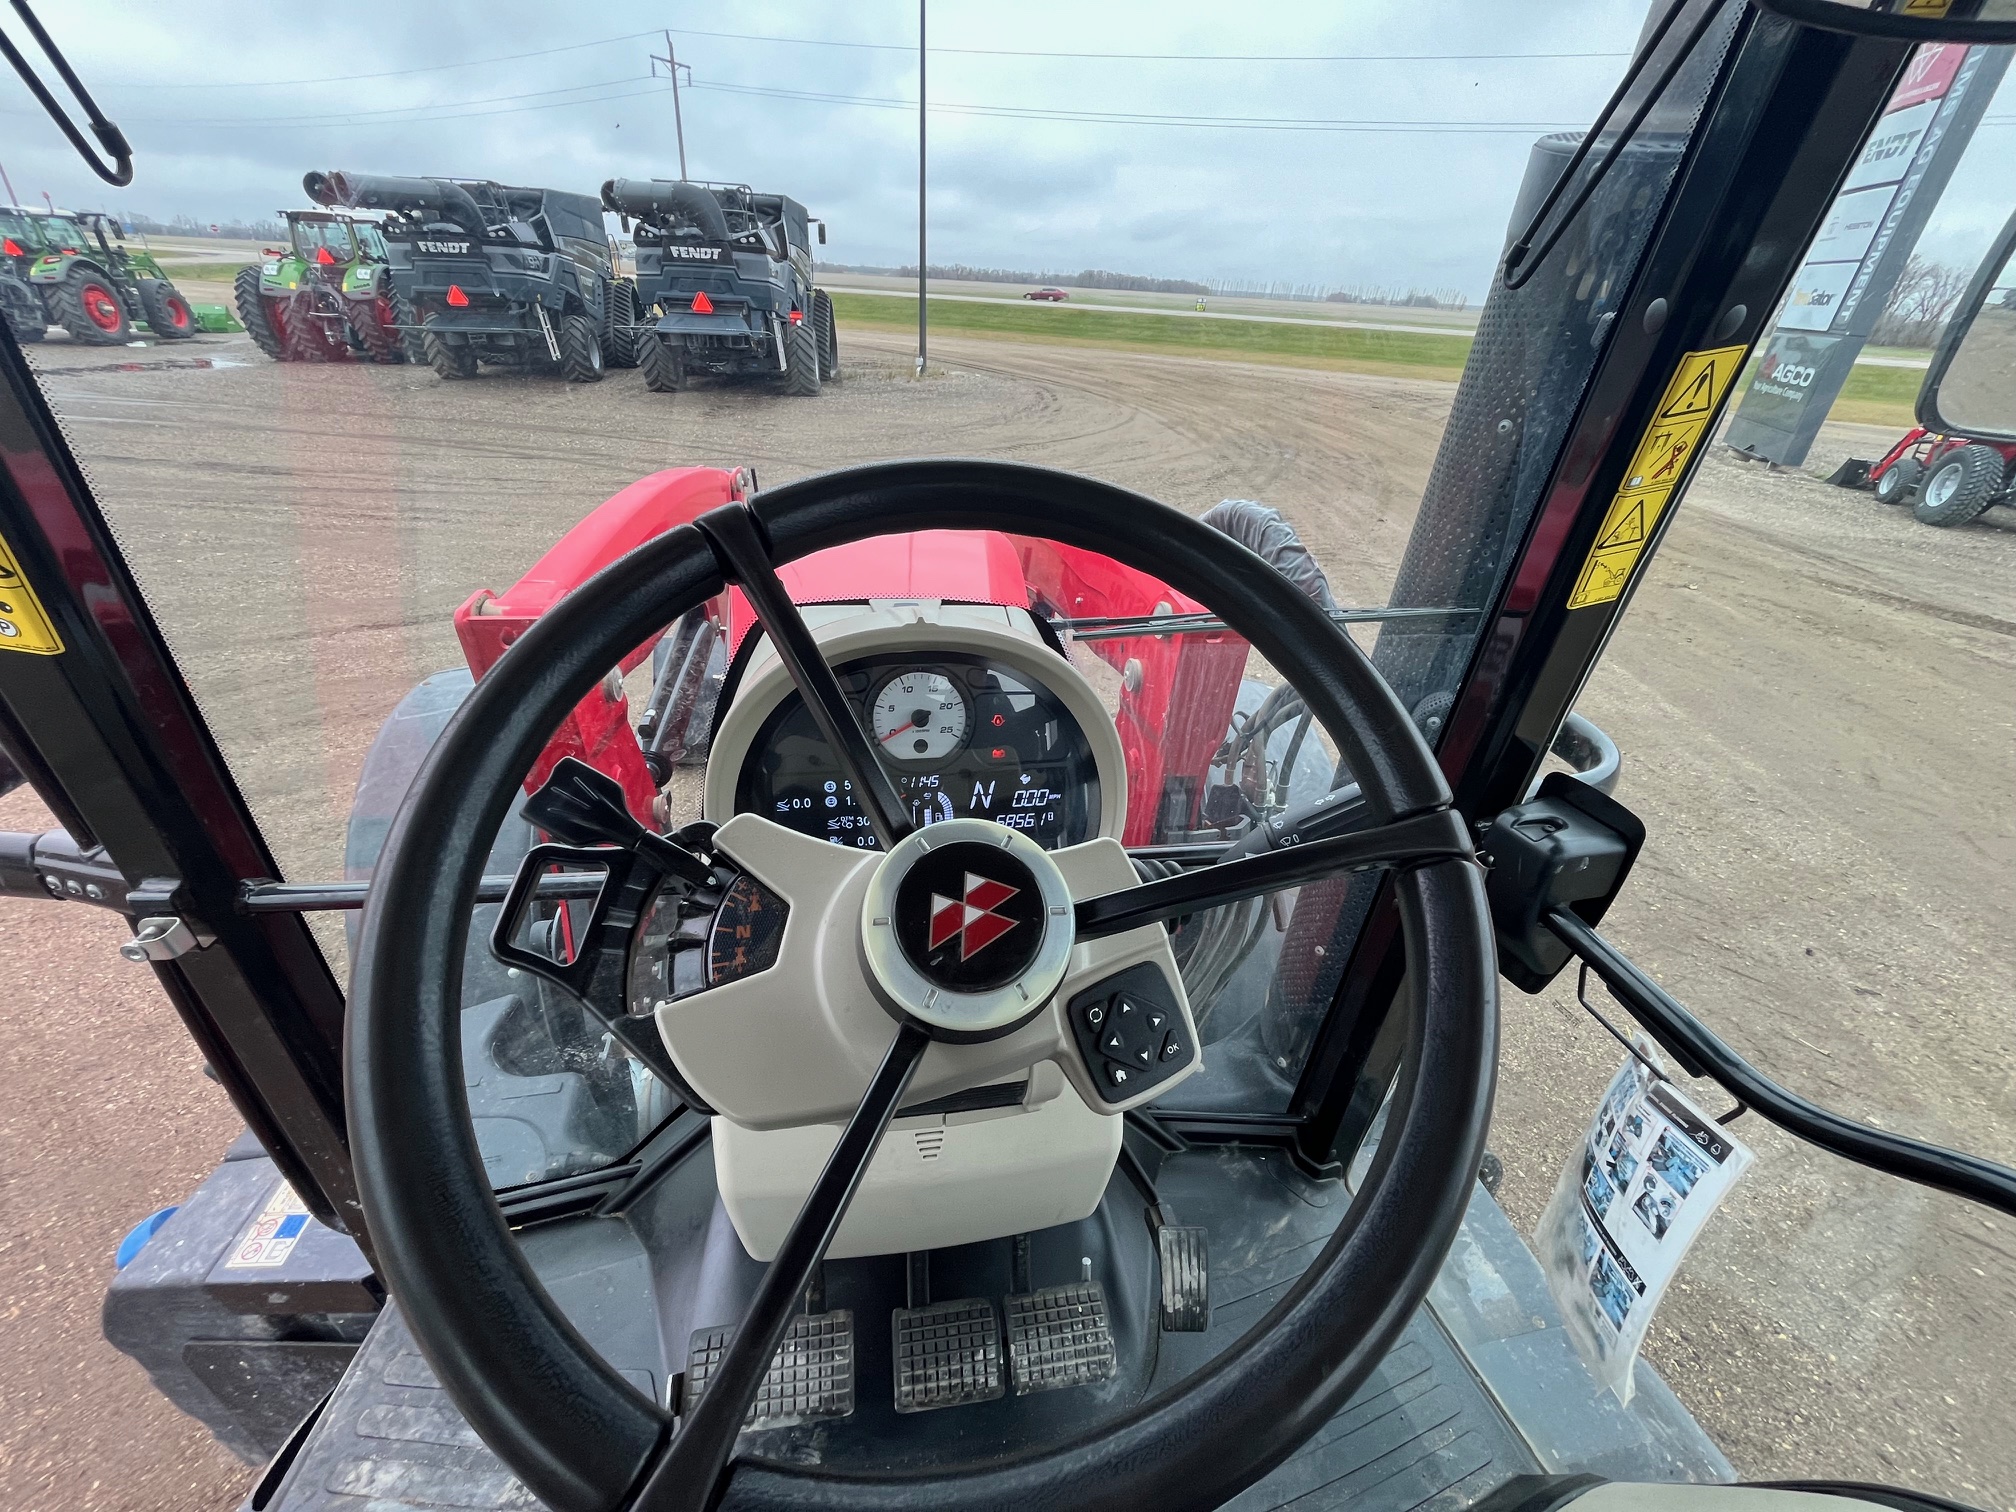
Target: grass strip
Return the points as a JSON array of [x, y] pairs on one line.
[[1397, 353]]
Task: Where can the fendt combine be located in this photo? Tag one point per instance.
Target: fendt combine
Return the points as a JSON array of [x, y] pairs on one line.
[[488, 273], [327, 295], [724, 276]]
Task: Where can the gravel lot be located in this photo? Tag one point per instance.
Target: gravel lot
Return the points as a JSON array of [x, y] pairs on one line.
[[1813, 694]]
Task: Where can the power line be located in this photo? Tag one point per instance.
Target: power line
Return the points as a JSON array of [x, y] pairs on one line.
[[399, 110], [390, 73], [1140, 118], [1018, 52]]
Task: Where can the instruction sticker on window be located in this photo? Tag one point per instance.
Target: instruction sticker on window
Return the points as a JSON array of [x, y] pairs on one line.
[[1643, 1183], [1686, 410], [24, 626]]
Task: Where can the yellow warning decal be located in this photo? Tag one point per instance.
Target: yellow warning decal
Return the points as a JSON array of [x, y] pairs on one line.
[[24, 626], [1685, 412]]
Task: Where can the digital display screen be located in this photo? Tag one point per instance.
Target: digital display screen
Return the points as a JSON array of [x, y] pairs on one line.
[[965, 738]]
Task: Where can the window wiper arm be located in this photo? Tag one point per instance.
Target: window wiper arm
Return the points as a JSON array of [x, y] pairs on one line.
[[110, 137]]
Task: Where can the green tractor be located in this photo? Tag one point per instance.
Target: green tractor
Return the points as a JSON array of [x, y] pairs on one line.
[[87, 280], [326, 296]]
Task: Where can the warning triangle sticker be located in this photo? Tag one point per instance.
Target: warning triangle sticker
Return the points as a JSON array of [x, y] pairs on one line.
[[1696, 397], [1628, 531], [1604, 579]]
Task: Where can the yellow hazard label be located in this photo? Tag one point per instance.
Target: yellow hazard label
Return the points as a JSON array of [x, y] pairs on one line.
[[24, 626], [1686, 410], [1926, 9]]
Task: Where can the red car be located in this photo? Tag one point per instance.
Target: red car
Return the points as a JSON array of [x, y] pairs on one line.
[[1053, 295]]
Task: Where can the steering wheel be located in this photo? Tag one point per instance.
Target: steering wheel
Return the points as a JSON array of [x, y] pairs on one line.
[[573, 1430]]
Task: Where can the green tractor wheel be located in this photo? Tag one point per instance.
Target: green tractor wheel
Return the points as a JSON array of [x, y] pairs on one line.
[[168, 313], [372, 320], [88, 307], [312, 332]]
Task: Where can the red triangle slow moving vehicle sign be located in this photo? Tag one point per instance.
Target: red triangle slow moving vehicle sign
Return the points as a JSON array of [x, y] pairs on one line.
[[702, 305]]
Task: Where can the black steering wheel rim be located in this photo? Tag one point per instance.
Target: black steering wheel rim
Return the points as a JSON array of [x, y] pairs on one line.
[[540, 1396]]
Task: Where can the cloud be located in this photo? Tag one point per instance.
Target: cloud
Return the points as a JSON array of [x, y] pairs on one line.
[[199, 90]]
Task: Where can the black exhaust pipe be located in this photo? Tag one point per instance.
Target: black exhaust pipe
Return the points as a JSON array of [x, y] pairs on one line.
[[656, 199], [377, 191]]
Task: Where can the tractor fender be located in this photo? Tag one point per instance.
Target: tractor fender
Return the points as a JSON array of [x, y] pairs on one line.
[[56, 272]]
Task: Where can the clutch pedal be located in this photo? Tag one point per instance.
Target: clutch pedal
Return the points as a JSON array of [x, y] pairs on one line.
[[948, 1354], [811, 1377], [1060, 1336], [1186, 1278]]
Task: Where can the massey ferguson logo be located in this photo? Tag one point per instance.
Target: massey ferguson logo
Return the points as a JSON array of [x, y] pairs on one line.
[[972, 917], [448, 249]]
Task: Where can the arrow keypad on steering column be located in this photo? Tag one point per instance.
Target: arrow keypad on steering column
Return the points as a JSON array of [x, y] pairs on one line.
[[1130, 1032]]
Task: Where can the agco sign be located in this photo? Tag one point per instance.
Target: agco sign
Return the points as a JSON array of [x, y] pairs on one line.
[[1792, 374]]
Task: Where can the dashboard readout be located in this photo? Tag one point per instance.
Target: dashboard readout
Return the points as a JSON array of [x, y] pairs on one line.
[[920, 716], [969, 738]]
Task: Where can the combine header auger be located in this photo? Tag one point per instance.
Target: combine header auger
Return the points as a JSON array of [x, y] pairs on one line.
[[724, 276], [488, 273], [325, 296]]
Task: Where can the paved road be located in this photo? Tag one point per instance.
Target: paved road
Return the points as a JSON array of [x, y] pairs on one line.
[[1814, 696]]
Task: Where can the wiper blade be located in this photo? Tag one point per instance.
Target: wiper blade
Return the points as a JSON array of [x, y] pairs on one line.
[[110, 137]]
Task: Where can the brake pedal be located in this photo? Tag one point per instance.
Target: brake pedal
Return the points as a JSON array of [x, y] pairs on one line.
[[948, 1354], [1060, 1336], [1186, 1278], [810, 1379]]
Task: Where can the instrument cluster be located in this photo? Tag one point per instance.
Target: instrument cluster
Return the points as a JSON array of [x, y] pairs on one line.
[[965, 736]]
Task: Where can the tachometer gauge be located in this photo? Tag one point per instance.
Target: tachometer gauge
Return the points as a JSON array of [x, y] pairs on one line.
[[920, 716]]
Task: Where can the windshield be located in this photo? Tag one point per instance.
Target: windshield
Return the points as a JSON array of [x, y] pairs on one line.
[[311, 237], [340, 504]]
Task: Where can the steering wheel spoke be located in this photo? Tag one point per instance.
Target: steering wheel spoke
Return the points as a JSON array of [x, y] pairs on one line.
[[690, 1468], [737, 542], [1439, 835]]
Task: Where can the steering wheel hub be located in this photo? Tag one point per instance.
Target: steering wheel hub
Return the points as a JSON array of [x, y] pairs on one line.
[[967, 929]]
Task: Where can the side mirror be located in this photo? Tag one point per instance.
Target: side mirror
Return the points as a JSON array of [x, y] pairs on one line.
[[1978, 21], [822, 232], [1970, 388]]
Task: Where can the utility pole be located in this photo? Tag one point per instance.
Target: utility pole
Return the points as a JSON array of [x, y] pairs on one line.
[[10, 187], [923, 323], [672, 67]]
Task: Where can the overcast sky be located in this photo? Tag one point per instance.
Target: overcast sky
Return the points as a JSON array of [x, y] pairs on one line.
[[216, 136]]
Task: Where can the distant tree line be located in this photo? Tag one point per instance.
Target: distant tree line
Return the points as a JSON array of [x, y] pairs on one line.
[[1090, 278], [186, 225], [1916, 310]]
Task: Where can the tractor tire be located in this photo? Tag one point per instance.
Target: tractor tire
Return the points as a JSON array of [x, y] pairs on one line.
[[305, 337], [1898, 479], [88, 307], [168, 313], [23, 311], [662, 362], [801, 359], [829, 336], [619, 330], [252, 313], [411, 342], [371, 321], [449, 356], [1963, 484], [581, 358]]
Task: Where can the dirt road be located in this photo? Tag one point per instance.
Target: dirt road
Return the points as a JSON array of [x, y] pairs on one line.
[[1813, 695]]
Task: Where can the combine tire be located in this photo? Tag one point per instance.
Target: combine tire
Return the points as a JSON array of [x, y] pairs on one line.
[[371, 320], [580, 350], [619, 331], [663, 363], [23, 310], [168, 313], [449, 356], [410, 340], [253, 313], [1898, 480], [1963, 484], [829, 337], [87, 306], [801, 359]]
